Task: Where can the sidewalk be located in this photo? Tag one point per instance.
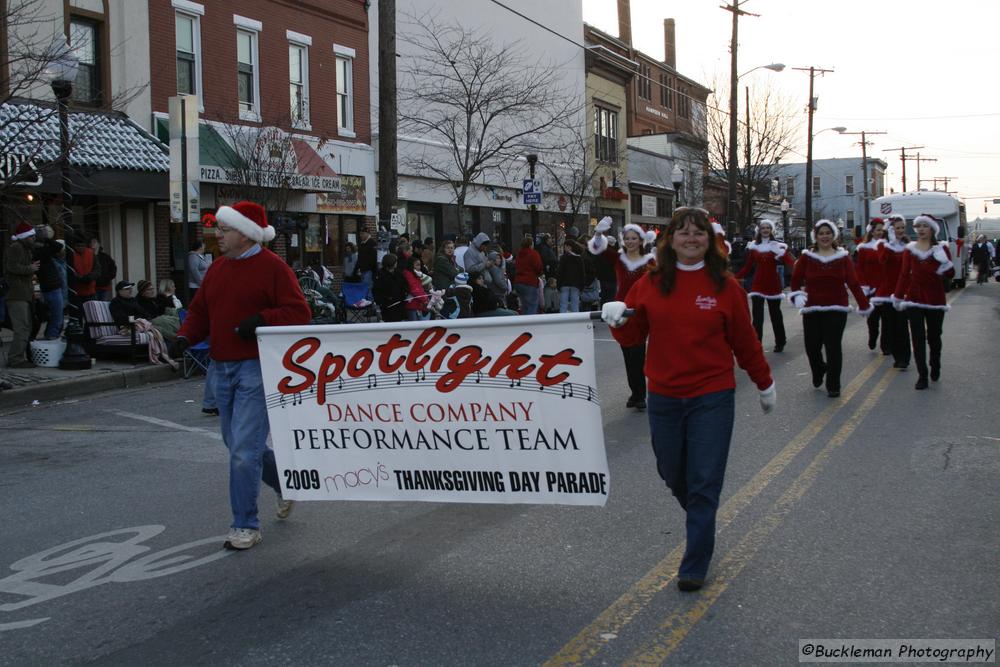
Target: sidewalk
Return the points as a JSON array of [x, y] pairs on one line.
[[54, 384]]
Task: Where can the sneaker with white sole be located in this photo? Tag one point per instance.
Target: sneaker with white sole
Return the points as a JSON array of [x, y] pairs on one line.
[[242, 538], [284, 507]]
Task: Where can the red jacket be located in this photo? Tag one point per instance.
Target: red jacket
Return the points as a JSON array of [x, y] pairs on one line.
[[823, 280], [84, 263], [694, 333], [921, 279], [417, 297], [764, 257], [868, 267], [235, 289], [627, 271], [528, 267], [890, 258]]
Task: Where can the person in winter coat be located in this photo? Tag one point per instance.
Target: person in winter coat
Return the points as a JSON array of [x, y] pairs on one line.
[[475, 256], [107, 270], [869, 271], [51, 280], [367, 257], [146, 297], [693, 316], [920, 292], [605, 272], [894, 324], [198, 261], [570, 277], [497, 282], [390, 290], [19, 267], [551, 295], [416, 296], [550, 262], [981, 253], [529, 270], [351, 263], [85, 270], [820, 281], [764, 255], [126, 305], [445, 266], [484, 302]]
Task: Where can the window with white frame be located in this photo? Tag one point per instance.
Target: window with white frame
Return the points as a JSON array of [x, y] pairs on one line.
[[188, 49], [345, 90], [849, 184], [789, 186], [298, 78], [606, 135], [247, 67], [817, 186]]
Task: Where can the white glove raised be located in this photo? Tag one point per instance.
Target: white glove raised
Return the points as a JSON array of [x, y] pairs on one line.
[[939, 254], [613, 312], [799, 300], [768, 399], [604, 225]]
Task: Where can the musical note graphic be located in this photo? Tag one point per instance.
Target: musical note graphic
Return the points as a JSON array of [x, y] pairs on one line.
[[567, 387], [372, 380], [399, 377]]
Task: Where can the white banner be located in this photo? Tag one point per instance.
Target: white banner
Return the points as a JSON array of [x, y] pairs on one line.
[[491, 410]]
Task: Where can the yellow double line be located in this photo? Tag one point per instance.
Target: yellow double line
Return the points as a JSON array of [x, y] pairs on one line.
[[589, 641]]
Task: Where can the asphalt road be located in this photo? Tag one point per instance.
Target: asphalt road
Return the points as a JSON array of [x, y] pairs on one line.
[[874, 515]]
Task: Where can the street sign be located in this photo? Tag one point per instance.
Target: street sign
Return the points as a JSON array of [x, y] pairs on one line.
[[532, 189], [184, 173], [395, 219]]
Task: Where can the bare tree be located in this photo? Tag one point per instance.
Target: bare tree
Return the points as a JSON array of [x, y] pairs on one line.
[[773, 128], [478, 105]]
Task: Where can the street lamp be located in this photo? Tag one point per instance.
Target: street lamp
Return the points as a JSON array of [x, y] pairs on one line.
[[733, 85], [784, 219], [677, 178], [532, 157]]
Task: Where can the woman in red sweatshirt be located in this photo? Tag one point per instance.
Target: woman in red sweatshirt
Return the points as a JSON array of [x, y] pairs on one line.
[[869, 270], [818, 291], [920, 292], [763, 256], [695, 317], [894, 324], [416, 297], [630, 263], [527, 270]]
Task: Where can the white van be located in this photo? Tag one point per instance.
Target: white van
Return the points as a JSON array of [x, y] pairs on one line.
[[940, 205]]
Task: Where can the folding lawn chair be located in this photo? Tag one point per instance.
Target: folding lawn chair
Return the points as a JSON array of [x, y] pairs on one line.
[[195, 358], [357, 305]]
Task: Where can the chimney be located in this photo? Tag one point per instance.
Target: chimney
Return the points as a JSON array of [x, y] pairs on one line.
[[669, 44], [625, 21]]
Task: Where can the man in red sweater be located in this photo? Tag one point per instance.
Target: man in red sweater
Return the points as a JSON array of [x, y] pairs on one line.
[[247, 288]]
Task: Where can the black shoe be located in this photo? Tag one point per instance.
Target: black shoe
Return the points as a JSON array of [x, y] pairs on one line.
[[630, 403], [872, 340], [833, 393], [818, 377], [935, 374], [640, 404], [921, 384], [900, 366], [779, 347], [211, 411], [688, 585], [886, 353]]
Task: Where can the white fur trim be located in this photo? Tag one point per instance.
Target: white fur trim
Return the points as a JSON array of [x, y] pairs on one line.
[[866, 313], [839, 254], [632, 227], [879, 300], [690, 267], [650, 236], [597, 244], [903, 304], [836, 232], [868, 290], [729, 247], [634, 265], [925, 219], [717, 228], [769, 246], [895, 246], [244, 225], [766, 221], [23, 235], [871, 245], [769, 297], [824, 309], [922, 254], [944, 268]]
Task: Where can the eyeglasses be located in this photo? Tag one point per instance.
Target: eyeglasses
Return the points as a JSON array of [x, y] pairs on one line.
[[222, 230]]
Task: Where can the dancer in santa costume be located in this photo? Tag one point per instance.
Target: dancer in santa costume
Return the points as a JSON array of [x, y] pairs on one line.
[[695, 316], [763, 255], [869, 271], [894, 323], [725, 247], [631, 264], [920, 292], [818, 291]]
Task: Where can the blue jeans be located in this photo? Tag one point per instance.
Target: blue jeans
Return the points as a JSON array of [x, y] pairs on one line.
[[54, 300], [569, 299], [208, 398], [528, 295], [691, 443], [239, 394]]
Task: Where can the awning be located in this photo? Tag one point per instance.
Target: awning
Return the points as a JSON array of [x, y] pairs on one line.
[[213, 150]]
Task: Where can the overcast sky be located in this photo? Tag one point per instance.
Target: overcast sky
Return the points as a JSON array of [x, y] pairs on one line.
[[925, 72]]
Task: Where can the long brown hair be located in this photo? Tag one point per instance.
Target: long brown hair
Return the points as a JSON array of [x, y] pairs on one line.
[[666, 258], [871, 230], [814, 246]]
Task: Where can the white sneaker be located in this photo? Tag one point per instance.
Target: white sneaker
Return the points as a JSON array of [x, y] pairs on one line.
[[242, 538], [284, 507]]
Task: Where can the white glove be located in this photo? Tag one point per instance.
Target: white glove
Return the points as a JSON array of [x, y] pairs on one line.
[[867, 312], [613, 312], [939, 254], [799, 300], [768, 399], [604, 225], [898, 304]]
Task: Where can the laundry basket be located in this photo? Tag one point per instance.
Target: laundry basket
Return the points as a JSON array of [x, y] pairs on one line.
[[47, 353]]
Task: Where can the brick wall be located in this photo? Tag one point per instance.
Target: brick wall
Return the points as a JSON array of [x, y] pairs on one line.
[[328, 22], [161, 240]]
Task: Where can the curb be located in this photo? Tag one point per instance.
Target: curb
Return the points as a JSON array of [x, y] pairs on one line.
[[56, 390]]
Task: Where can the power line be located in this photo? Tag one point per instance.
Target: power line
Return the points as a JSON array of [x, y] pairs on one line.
[[970, 115]]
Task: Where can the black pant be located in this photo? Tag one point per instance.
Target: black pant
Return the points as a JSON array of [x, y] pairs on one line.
[[925, 326], [635, 360], [874, 320], [777, 322], [825, 329], [894, 323]]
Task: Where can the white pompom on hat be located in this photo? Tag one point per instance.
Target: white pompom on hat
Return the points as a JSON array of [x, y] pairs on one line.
[[929, 220], [828, 223], [717, 228], [23, 231], [248, 218], [875, 221]]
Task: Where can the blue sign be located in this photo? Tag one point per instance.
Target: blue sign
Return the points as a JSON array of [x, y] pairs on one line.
[[532, 190]]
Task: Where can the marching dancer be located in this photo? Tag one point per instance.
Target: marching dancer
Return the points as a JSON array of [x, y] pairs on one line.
[[763, 255], [818, 291], [920, 292], [631, 264], [894, 324], [869, 270], [695, 315]]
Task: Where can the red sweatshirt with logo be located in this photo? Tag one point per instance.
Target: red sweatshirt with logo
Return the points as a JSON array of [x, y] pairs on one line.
[[693, 334]]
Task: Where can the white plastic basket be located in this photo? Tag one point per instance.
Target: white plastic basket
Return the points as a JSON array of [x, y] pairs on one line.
[[47, 353]]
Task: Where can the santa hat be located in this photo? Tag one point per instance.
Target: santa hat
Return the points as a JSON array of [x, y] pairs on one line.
[[248, 218], [644, 236], [762, 222], [875, 221], [896, 216], [833, 228], [717, 228], [23, 231], [930, 220]]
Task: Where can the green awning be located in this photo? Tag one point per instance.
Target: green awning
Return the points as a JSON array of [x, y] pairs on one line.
[[213, 149]]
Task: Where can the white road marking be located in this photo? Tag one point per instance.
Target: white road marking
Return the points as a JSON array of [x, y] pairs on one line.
[[169, 424], [18, 625]]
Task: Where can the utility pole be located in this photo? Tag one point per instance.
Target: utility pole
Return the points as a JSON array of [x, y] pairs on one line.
[[864, 171], [733, 90], [748, 213], [813, 71], [902, 156], [387, 118], [918, 160], [945, 179]]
